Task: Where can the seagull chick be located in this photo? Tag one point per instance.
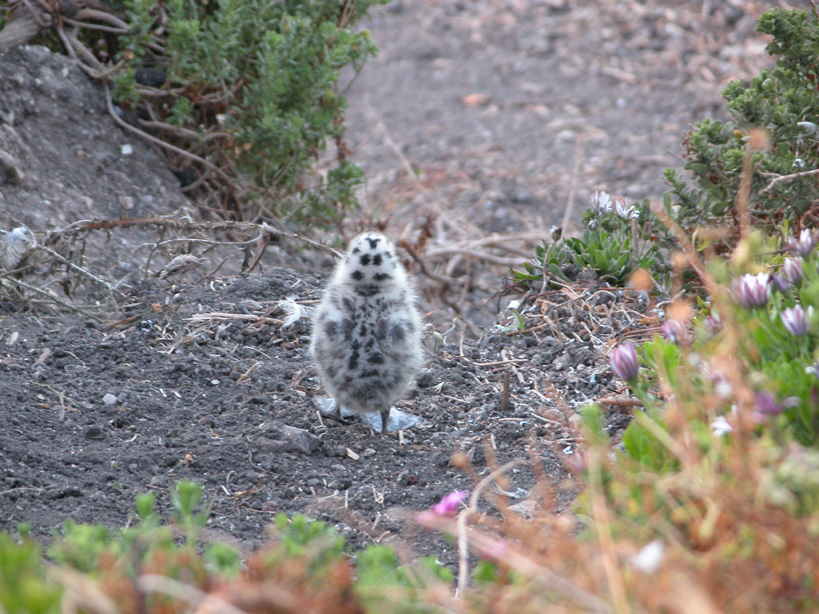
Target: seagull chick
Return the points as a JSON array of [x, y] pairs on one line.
[[366, 339]]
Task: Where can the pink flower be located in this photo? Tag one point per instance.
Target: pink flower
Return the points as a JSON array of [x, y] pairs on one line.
[[449, 504], [494, 551]]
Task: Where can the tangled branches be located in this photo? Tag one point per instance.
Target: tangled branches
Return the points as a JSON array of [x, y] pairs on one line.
[[30, 268]]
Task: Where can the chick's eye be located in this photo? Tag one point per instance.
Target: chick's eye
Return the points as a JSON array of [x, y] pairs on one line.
[[357, 275]]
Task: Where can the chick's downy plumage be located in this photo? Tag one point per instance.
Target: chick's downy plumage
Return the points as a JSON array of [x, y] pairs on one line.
[[366, 339]]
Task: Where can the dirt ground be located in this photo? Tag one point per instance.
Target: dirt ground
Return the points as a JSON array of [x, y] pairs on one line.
[[483, 119]]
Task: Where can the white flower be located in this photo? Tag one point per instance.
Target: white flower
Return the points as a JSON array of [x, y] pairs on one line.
[[721, 426], [601, 201], [724, 390], [804, 245], [624, 210]]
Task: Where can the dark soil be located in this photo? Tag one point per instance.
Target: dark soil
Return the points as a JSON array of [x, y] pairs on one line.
[[209, 385], [202, 380]]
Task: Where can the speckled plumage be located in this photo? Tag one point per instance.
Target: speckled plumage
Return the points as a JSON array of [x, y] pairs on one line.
[[366, 339]]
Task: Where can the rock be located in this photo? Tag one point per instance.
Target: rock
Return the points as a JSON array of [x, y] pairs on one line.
[[284, 438], [94, 432]]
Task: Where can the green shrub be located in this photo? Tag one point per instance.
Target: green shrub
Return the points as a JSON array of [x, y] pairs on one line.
[[617, 240], [785, 102], [251, 86]]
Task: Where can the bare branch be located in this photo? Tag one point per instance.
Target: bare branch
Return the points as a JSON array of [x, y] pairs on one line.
[[784, 178]]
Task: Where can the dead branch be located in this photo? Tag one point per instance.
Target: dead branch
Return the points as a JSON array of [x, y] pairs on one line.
[[107, 287], [161, 143], [5, 281], [26, 22], [786, 178], [188, 225]]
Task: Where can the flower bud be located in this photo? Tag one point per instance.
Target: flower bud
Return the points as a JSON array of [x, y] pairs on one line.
[[804, 245], [795, 320], [624, 362], [675, 332], [793, 270], [449, 504]]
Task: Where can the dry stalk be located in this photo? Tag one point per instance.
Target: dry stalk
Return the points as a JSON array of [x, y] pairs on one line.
[[688, 249], [605, 540], [154, 583]]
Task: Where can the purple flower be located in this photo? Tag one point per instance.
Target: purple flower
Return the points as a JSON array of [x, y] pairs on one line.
[[752, 290], [766, 407], [793, 270], [781, 283], [804, 244], [449, 504], [624, 362], [674, 331], [795, 320]]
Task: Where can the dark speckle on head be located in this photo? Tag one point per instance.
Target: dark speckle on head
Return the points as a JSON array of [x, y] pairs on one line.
[[357, 275], [356, 250], [376, 359], [377, 260], [381, 276], [365, 259], [373, 241]]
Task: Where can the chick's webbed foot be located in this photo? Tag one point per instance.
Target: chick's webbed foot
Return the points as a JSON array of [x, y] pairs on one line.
[[388, 421]]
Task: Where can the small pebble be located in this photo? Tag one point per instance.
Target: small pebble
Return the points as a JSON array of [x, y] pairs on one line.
[[109, 399]]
